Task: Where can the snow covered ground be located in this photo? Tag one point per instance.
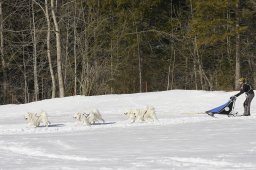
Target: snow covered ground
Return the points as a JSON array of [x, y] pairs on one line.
[[183, 139]]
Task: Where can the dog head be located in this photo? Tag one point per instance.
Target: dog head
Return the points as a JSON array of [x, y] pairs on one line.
[[130, 113], [77, 115], [28, 116]]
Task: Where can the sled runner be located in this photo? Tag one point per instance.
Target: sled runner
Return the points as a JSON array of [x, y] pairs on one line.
[[226, 109]]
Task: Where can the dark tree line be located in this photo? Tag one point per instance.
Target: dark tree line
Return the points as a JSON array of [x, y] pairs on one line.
[[56, 48]]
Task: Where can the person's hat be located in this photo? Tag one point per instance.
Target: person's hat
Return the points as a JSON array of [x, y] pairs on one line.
[[242, 79]]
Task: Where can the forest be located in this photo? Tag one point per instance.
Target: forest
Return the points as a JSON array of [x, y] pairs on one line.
[[58, 48]]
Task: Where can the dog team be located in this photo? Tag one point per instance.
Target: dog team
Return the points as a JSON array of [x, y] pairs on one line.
[[87, 119]]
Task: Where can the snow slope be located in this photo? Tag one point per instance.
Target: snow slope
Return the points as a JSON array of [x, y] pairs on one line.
[[183, 139]]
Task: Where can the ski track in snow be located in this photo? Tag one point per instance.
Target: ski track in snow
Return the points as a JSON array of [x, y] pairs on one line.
[[71, 127], [200, 161], [18, 148], [37, 152]]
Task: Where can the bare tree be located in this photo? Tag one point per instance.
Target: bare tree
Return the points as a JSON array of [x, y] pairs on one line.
[[26, 94], [4, 90], [171, 64], [58, 46], [34, 40], [237, 70], [75, 52], [48, 49], [139, 59], [47, 17]]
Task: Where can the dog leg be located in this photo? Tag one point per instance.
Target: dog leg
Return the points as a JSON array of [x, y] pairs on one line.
[[103, 121], [132, 120], [46, 124]]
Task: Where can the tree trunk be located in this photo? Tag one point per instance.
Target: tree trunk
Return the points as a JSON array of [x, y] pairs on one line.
[[36, 88], [169, 74], [237, 70], [85, 82], [58, 46], [4, 90], [170, 62], [111, 67], [198, 63], [170, 78], [139, 60], [194, 52], [75, 55], [228, 29], [173, 68], [66, 53], [26, 94], [195, 64], [48, 49], [200, 70], [187, 73]]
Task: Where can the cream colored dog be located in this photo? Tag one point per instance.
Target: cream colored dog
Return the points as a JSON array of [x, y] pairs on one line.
[[43, 118], [81, 118], [94, 116], [132, 114], [34, 120], [141, 115], [150, 114]]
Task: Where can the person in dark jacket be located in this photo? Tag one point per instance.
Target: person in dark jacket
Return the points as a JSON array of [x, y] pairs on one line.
[[248, 90]]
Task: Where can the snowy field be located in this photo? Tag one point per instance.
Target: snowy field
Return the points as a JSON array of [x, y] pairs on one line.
[[183, 139]]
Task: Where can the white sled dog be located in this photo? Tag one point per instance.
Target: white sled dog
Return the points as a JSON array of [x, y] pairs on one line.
[[141, 115], [94, 116], [34, 120], [81, 118], [150, 114], [43, 118]]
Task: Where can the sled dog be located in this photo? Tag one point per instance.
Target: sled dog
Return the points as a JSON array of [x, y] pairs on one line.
[[43, 118], [141, 115], [34, 120], [81, 118], [132, 114], [150, 114], [94, 116]]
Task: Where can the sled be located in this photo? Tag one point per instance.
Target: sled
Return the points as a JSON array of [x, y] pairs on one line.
[[225, 109]]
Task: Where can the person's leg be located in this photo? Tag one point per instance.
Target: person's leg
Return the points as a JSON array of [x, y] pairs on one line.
[[247, 104], [246, 107], [251, 96]]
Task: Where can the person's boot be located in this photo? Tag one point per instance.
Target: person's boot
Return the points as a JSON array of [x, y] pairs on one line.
[[246, 111]]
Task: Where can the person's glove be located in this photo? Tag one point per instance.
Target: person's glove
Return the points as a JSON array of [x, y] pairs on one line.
[[233, 97]]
